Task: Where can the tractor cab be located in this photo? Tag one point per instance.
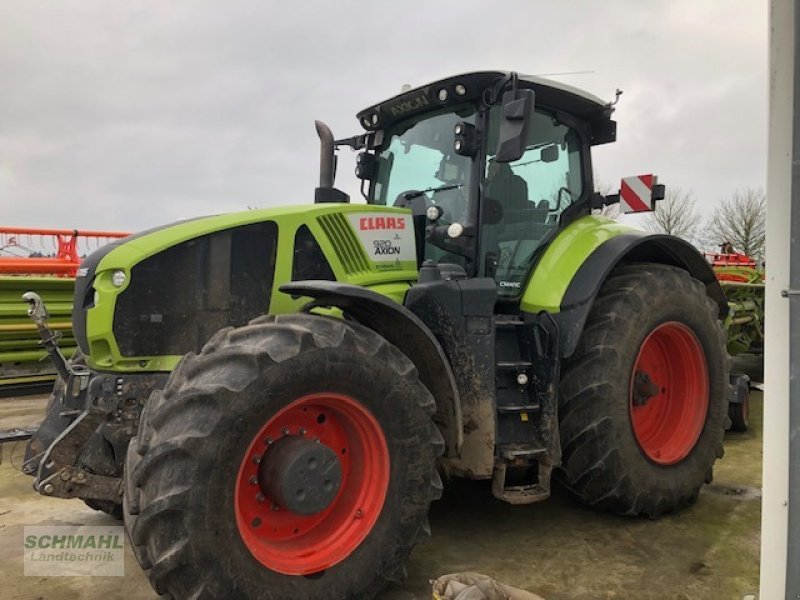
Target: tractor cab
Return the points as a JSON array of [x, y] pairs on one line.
[[495, 162]]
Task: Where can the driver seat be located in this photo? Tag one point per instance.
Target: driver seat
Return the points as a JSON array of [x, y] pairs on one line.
[[508, 188]]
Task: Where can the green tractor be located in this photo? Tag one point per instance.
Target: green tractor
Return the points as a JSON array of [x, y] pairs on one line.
[[269, 397]]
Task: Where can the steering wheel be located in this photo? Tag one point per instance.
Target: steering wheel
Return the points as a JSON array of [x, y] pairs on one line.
[[420, 201]]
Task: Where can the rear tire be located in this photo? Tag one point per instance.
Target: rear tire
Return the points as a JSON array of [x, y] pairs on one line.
[[641, 417], [188, 470]]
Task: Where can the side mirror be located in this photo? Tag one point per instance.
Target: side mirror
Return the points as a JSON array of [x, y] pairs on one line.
[[550, 153], [517, 112]]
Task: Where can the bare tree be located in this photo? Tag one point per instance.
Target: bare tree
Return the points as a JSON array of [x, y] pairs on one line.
[[676, 214], [741, 221]]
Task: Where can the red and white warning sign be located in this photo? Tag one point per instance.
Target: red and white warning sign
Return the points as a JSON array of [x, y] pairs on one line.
[[636, 193]]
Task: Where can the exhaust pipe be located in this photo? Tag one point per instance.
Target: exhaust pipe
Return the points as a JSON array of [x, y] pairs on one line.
[[326, 156], [327, 168]]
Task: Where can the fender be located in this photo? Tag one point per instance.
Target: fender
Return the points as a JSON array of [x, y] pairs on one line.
[[613, 244], [401, 327]]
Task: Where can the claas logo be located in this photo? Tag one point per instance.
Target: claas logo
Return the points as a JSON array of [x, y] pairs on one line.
[[368, 223]]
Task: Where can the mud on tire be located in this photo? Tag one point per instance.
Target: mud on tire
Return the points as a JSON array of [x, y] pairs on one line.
[[182, 467], [603, 464]]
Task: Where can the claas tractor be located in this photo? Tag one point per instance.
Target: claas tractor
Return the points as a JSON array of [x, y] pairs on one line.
[[269, 398]]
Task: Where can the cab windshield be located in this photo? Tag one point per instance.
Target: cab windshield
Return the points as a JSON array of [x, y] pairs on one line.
[[418, 165]]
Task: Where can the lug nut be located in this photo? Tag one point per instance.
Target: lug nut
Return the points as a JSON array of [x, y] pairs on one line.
[[253, 480], [48, 489], [64, 475], [522, 379], [275, 507], [257, 458], [285, 431], [268, 441], [260, 498], [302, 431]]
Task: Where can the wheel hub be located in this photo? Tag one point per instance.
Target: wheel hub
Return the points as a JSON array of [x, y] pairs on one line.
[[644, 388], [300, 475]]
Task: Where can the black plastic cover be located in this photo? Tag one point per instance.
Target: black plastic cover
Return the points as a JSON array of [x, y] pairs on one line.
[[177, 299]]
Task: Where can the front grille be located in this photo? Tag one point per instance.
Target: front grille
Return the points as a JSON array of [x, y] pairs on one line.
[[348, 249], [177, 299]]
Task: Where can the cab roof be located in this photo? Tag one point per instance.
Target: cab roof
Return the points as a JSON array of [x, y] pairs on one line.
[[469, 87]]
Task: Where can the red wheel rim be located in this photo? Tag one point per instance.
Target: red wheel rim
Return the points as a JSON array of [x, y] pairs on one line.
[[296, 544], [669, 393]]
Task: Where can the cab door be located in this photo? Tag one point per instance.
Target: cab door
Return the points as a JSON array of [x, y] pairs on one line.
[[522, 201]]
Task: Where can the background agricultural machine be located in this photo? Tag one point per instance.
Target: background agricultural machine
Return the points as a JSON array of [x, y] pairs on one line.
[[286, 383], [743, 283], [44, 261]]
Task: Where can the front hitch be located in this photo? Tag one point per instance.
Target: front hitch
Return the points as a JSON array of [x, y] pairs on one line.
[[37, 311], [74, 378]]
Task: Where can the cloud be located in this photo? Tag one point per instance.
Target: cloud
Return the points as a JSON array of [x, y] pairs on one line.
[[129, 115]]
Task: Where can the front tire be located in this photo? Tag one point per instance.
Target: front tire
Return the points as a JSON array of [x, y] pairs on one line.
[[208, 522], [643, 399]]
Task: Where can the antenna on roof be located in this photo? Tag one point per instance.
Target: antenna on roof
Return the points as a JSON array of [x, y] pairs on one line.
[[617, 94], [406, 88]]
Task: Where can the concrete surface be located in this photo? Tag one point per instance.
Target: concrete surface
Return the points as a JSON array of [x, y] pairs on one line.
[[558, 549]]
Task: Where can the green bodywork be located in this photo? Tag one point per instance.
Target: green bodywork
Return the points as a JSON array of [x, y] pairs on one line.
[[349, 262], [339, 242], [561, 260]]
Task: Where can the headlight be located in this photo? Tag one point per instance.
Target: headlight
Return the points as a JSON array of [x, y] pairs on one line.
[[455, 230], [118, 278]]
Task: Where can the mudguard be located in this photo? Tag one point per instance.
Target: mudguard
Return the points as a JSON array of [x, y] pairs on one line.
[[623, 247], [405, 330]]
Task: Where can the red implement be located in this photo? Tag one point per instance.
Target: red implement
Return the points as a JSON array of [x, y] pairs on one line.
[[31, 251]]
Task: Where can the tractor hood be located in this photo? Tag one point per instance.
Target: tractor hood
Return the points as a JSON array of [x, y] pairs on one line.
[[143, 301]]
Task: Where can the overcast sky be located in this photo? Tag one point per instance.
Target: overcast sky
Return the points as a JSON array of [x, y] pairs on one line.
[[124, 115]]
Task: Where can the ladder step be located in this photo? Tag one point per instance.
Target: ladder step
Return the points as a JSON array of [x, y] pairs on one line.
[[507, 365], [527, 493], [508, 323], [512, 452], [518, 409]]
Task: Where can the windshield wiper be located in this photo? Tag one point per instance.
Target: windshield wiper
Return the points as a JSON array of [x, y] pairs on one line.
[[442, 188]]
